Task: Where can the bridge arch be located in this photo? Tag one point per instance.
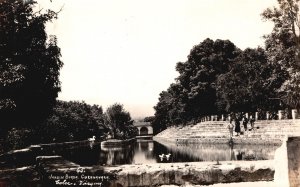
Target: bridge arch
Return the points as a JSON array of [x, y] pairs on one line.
[[144, 131], [144, 128]]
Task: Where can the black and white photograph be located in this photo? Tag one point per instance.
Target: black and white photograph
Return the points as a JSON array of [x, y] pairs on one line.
[[140, 93]]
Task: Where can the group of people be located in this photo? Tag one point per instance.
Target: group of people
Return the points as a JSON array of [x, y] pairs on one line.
[[236, 125]]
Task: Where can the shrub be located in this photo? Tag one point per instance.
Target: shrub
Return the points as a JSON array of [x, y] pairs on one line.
[[20, 138]]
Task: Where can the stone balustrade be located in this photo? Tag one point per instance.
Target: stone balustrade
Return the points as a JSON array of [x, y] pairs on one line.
[[281, 115]]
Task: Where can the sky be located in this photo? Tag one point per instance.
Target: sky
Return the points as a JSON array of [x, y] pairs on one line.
[[125, 51]]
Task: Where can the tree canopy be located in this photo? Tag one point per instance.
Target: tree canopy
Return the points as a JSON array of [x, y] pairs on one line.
[[195, 86], [120, 122], [73, 120], [283, 47], [220, 78], [249, 84], [198, 75], [29, 64]]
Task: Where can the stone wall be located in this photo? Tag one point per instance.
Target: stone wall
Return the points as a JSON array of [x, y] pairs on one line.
[[196, 173], [51, 170], [287, 163]]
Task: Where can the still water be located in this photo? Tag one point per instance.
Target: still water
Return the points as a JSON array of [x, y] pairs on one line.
[[145, 152]]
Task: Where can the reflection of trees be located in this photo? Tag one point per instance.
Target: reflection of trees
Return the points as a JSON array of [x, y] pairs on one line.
[[147, 148], [149, 155], [239, 156], [86, 156], [176, 156], [231, 152], [128, 155], [102, 158], [213, 152], [118, 156], [82, 155], [144, 146]]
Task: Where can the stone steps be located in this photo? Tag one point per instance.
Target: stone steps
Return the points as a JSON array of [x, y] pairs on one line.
[[265, 130]]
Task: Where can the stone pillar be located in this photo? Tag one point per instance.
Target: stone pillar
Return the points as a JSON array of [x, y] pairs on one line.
[[150, 130], [256, 116], [281, 176], [222, 117], [212, 118], [267, 115], [280, 114], [247, 115], [293, 154], [294, 113]]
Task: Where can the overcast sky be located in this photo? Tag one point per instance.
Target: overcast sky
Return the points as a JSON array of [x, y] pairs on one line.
[[125, 51]]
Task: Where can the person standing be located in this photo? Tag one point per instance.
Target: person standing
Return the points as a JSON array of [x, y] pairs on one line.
[[245, 122], [230, 128], [252, 120], [237, 128]]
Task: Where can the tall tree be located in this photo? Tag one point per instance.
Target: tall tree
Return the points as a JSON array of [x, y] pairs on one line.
[[249, 84], [194, 93], [73, 120], [283, 47], [29, 64], [198, 75], [170, 109], [161, 118], [120, 122]]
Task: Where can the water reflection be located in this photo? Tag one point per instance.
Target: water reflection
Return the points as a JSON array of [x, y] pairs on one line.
[[118, 155], [223, 152], [145, 152]]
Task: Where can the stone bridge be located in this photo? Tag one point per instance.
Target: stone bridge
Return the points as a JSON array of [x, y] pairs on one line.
[[145, 129]]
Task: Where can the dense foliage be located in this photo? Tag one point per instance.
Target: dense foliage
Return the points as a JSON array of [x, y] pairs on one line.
[[119, 122], [206, 62], [29, 84], [283, 48], [218, 78], [249, 84], [29, 65], [195, 86], [73, 121]]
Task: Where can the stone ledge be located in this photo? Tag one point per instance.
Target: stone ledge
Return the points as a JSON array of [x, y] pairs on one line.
[[116, 142], [152, 174], [243, 184], [200, 173], [207, 140]]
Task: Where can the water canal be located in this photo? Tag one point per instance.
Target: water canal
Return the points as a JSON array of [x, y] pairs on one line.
[[146, 152]]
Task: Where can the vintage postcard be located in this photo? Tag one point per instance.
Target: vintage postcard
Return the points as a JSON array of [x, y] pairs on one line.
[[137, 93]]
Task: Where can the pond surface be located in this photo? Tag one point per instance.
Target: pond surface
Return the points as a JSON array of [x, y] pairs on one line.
[[145, 152]]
